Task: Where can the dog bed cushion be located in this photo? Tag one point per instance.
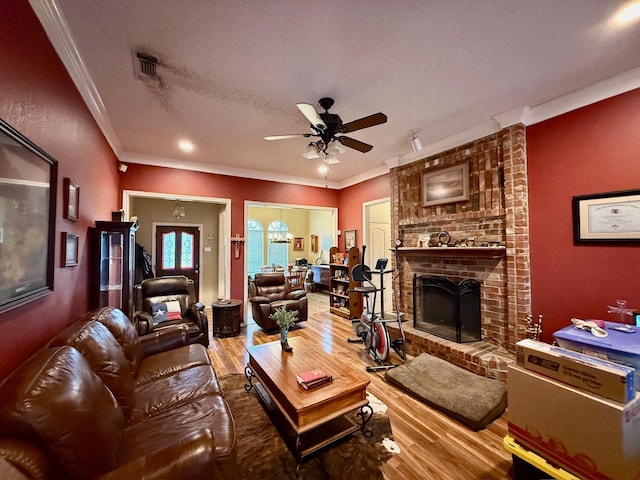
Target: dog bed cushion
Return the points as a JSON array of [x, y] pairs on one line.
[[469, 398]]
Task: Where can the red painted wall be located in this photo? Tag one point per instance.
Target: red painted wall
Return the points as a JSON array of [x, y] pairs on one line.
[[40, 100], [186, 182], [591, 150], [350, 202]]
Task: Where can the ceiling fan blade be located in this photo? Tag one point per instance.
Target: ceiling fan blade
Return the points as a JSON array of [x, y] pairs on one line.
[[365, 122], [287, 137], [310, 112], [355, 144]]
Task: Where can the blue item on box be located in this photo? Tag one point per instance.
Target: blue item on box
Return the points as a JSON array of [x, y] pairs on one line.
[[619, 346]]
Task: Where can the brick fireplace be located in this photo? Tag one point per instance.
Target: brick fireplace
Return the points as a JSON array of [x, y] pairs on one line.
[[495, 215]]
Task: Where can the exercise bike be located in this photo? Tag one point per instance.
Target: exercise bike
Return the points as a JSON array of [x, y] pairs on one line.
[[371, 328]]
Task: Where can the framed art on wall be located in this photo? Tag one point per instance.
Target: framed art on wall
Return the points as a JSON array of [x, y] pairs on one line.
[[349, 239], [69, 250], [607, 217], [446, 185], [27, 219], [298, 244], [71, 200]]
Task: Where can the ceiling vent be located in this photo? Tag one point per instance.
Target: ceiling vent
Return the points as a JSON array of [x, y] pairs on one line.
[[146, 66]]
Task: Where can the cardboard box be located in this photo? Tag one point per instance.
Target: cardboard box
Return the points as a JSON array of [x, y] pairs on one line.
[[609, 379], [590, 436], [619, 347]]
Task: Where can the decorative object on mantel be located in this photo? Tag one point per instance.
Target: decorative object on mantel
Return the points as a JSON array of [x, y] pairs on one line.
[[424, 240], [443, 239]]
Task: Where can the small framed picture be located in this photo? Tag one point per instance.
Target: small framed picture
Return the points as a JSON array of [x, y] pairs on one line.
[[349, 239], [69, 250], [298, 244], [71, 193]]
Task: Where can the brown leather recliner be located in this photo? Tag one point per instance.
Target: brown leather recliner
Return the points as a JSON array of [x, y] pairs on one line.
[[165, 301], [268, 292]]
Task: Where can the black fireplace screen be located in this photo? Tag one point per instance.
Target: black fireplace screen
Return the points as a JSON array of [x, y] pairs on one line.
[[446, 308]]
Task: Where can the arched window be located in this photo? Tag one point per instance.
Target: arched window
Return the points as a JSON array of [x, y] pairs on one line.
[[255, 244], [278, 252]]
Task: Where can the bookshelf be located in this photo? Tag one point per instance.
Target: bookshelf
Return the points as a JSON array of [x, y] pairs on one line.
[[343, 301]]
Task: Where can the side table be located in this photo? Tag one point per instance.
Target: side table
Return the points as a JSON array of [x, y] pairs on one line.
[[226, 318]]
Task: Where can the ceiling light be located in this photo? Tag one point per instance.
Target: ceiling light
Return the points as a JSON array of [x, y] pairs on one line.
[[186, 146], [178, 211], [331, 159], [323, 169], [311, 152], [630, 12], [416, 143]]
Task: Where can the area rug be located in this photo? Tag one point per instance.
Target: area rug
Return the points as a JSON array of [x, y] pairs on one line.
[[263, 454], [469, 398]]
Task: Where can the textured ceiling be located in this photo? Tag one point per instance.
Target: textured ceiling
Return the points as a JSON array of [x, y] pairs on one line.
[[232, 71]]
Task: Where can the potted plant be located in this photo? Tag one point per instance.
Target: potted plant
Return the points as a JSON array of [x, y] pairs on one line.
[[285, 320]]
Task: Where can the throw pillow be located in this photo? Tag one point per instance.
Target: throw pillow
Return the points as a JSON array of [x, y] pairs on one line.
[[164, 311]]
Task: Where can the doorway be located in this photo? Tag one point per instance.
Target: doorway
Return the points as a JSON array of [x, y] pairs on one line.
[[177, 250], [376, 216], [211, 215]]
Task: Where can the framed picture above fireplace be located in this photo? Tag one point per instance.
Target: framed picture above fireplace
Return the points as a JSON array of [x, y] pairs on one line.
[[607, 217], [446, 185]]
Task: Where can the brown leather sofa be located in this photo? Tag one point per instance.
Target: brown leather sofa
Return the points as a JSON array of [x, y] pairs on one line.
[[154, 294], [100, 402], [270, 291]]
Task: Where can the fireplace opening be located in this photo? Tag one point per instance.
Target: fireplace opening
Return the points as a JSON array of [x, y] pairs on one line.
[[446, 308]]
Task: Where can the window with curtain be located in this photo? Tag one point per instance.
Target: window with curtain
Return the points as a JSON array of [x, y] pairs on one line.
[[255, 244]]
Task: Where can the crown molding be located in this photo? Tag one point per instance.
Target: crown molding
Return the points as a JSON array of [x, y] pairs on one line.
[[219, 170]]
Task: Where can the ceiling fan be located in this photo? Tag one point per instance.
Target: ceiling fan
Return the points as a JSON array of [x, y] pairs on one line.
[[326, 126]]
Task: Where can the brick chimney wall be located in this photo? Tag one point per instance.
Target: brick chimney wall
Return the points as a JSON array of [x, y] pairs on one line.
[[496, 211]]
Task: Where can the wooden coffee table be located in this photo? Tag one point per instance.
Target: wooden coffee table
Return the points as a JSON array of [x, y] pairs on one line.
[[307, 420]]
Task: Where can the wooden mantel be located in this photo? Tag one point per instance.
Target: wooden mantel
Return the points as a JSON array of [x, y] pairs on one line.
[[454, 252]]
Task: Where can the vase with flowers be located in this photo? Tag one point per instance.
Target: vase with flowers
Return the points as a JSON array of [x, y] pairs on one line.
[[285, 320]]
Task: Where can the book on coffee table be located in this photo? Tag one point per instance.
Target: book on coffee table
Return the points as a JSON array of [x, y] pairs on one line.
[[313, 378]]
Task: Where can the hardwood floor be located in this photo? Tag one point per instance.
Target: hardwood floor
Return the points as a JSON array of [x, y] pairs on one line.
[[433, 446]]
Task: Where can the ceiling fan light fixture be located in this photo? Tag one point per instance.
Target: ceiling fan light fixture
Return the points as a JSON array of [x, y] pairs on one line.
[[311, 152], [416, 143], [331, 159]]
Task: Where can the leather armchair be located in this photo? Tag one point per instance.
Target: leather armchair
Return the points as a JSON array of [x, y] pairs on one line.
[[166, 301], [268, 292]]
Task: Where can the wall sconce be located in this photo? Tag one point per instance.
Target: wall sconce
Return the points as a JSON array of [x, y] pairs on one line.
[[237, 241], [178, 211], [416, 143], [122, 167]]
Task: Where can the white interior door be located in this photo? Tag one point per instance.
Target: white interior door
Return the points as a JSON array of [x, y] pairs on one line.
[[377, 238]]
